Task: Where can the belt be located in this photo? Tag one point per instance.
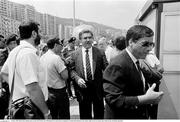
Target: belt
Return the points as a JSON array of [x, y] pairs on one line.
[[18, 100], [57, 90], [18, 103]]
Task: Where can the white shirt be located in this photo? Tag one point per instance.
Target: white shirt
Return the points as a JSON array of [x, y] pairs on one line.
[[109, 53], [84, 61], [152, 59], [134, 61], [114, 53], [28, 70], [53, 66]]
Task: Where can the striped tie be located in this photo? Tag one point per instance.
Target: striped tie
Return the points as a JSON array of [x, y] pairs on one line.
[[88, 67]]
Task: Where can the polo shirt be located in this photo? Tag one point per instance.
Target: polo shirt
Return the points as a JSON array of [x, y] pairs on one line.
[[25, 65], [53, 65]]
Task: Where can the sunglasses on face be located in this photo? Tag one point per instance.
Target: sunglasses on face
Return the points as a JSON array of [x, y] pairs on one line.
[[148, 44], [90, 37], [60, 44]]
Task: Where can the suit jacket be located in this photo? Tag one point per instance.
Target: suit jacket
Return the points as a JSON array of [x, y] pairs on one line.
[[122, 86], [99, 64]]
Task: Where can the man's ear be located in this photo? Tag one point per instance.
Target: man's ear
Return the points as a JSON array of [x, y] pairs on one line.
[[33, 34], [55, 45], [130, 42]]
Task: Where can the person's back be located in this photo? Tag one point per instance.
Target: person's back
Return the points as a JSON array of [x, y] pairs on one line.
[[23, 68], [118, 46], [52, 74]]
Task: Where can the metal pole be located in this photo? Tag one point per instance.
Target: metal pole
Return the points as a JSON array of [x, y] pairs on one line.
[[74, 14]]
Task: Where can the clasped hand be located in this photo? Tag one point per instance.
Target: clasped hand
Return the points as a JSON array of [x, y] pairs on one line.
[[82, 83]]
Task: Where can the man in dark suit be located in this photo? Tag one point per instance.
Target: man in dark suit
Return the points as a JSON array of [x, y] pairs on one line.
[[89, 63], [127, 94]]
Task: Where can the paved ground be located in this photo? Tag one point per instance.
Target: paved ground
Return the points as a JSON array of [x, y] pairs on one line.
[[74, 109]]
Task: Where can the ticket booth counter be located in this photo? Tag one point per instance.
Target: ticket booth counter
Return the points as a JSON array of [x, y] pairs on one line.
[[163, 16]]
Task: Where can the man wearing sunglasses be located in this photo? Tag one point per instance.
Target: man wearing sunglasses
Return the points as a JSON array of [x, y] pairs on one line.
[[55, 76], [126, 92]]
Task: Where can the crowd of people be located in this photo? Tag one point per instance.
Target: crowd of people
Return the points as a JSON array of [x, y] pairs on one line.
[[111, 79]]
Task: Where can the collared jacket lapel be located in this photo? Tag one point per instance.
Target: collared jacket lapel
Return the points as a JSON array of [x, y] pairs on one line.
[[94, 55], [80, 62]]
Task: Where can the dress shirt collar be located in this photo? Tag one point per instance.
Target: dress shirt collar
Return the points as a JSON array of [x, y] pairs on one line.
[[131, 56], [25, 43], [89, 50], [51, 52]]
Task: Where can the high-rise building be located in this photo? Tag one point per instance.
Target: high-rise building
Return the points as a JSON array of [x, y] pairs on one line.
[[17, 11], [14, 26], [30, 12], [8, 26], [68, 32], [5, 23], [61, 31], [40, 20], [12, 14], [50, 25], [5, 8]]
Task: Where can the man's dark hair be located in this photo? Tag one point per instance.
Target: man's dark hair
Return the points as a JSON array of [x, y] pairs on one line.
[[52, 42], [26, 28], [119, 42], [10, 38], [72, 39], [85, 31], [138, 31]]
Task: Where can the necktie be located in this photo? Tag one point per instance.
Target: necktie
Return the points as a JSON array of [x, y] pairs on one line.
[[139, 70], [88, 67]]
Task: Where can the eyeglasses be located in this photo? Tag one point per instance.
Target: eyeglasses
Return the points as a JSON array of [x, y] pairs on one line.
[[148, 44], [61, 44], [90, 37]]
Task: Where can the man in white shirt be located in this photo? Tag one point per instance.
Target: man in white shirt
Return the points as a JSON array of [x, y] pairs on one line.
[[56, 75], [24, 64]]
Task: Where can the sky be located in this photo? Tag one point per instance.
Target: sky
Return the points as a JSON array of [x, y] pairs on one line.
[[119, 14]]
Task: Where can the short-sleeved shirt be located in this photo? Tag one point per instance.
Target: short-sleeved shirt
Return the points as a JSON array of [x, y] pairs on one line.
[[24, 61], [109, 53], [53, 65], [152, 59]]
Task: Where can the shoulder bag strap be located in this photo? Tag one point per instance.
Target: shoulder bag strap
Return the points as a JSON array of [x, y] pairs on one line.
[[12, 86]]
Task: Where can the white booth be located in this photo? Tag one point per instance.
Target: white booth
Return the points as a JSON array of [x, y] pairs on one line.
[[163, 16]]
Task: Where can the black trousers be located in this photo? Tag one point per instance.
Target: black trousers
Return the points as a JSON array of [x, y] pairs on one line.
[[4, 101], [91, 103], [58, 103]]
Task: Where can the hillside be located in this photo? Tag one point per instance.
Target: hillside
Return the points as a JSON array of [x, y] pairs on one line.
[[69, 21]]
